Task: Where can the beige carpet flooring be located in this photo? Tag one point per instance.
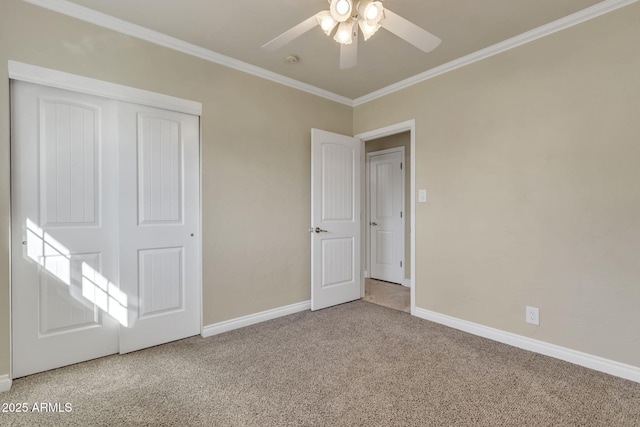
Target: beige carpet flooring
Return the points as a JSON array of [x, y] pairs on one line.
[[387, 294], [357, 364]]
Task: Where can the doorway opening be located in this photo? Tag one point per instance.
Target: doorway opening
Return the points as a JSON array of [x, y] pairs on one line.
[[338, 206], [388, 222]]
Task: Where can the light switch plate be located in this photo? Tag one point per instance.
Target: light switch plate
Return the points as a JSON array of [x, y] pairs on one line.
[[422, 196]]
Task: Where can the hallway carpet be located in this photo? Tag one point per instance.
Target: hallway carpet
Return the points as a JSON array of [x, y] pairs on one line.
[[391, 295]]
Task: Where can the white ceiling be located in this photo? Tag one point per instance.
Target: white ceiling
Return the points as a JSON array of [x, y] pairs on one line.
[[238, 29]]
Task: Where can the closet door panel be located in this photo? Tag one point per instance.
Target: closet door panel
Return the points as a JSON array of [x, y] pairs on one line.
[[64, 262], [159, 225]]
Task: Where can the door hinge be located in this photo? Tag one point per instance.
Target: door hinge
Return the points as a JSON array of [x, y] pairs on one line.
[[400, 264], [400, 165], [400, 214]]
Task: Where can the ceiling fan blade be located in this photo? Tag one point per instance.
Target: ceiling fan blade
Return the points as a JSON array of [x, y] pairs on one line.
[[349, 52], [291, 34], [420, 38]]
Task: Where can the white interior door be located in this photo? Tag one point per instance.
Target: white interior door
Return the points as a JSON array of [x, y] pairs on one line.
[[64, 260], [159, 225], [335, 219], [386, 208]]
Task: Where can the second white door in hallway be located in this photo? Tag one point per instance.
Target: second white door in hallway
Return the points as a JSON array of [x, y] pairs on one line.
[[387, 216]]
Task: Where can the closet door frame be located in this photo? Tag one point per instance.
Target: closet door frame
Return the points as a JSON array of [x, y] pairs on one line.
[[61, 80]]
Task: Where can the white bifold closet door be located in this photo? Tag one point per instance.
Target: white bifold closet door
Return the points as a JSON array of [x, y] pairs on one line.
[[105, 201]]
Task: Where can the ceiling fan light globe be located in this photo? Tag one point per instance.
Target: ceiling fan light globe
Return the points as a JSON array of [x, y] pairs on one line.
[[344, 35], [367, 29], [341, 9], [371, 11], [326, 22]]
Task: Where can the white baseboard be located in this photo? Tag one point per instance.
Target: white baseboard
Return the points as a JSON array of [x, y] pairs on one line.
[[5, 383], [590, 361], [252, 319]]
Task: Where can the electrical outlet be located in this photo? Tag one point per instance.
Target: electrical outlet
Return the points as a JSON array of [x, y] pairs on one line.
[[532, 315]]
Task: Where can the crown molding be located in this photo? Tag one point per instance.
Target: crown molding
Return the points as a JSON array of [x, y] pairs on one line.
[[88, 15], [537, 33], [85, 14]]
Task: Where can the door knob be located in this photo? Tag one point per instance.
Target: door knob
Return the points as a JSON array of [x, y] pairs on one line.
[[374, 224], [317, 230]]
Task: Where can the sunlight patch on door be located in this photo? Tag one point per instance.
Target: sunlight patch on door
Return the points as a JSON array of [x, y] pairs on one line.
[[48, 252], [58, 261], [103, 293]]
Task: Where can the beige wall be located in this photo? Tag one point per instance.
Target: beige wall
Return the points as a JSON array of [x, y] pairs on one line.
[[530, 159], [256, 156], [392, 141]]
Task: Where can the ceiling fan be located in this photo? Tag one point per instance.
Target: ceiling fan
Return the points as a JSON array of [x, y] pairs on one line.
[[348, 16]]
